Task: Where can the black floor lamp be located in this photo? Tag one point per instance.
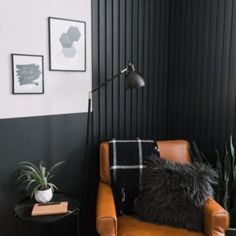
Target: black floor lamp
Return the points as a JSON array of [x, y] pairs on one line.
[[133, 80]]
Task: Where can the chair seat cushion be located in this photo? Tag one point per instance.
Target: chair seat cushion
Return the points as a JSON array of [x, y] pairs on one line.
[[130, 226]]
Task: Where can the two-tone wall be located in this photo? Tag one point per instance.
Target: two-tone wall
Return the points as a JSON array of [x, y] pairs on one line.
[[186, 51], [46, 127]]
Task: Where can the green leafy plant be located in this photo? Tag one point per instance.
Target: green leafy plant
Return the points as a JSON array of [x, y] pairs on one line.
[[196, 154], [36, 178], [226, 167]]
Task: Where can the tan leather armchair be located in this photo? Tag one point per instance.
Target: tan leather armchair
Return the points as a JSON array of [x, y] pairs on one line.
[[109, 224]]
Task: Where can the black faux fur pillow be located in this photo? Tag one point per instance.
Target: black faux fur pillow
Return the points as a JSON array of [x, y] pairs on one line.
[[174, 194]]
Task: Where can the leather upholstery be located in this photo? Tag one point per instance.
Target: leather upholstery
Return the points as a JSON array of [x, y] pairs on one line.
[[106, 213], [216, 218], [175, 150], [178, 152], [105, 163], [129, 226]]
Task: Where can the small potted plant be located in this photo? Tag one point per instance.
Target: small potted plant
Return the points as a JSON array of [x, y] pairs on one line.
[[36, 180]]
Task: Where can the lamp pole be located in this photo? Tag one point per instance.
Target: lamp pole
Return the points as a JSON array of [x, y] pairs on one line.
[[133, 80]]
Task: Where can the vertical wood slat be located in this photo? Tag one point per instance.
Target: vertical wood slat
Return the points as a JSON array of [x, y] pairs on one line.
[[102, 69], [134, 41], [140, 63], [204, 65], [143, 67], [95, 68], [146, 67], [122, 49], [151, 69], [219, 61], [109, 65], [116, 67], [157, 69], [225, 66], [128, 58], [232, 71], [211, 66], [164, 75]]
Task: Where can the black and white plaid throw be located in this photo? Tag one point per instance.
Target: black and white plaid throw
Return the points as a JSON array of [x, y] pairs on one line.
[[127, 160]]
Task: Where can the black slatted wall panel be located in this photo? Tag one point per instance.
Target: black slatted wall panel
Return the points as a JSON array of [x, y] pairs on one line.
[[124, 31], [202, 72]]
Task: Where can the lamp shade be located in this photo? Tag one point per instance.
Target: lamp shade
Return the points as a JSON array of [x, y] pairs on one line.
[[134, 80]]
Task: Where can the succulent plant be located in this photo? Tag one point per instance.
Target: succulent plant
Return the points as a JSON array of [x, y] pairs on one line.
[[35, 178]]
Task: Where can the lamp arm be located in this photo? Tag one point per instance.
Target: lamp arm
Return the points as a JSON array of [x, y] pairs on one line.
[[108, 81]]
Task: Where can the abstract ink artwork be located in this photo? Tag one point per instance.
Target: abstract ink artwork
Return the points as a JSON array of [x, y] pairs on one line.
[[67, 45], [27, 74]]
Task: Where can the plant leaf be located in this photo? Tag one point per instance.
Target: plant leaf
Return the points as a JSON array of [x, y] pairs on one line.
[[42, 168], [27, 163], [232, 152], [50, 177], [29, 184], [55, 166], [196, 154], [227, 164], [220, 190], [23, 182], [53, 186], [20, 176], [219, 165], [34, 172], [34, 190]]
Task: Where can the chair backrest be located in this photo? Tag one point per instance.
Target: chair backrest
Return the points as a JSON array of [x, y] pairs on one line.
[[175, 150]]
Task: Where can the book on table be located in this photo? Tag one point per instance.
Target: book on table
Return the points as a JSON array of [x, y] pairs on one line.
[[54, 208]]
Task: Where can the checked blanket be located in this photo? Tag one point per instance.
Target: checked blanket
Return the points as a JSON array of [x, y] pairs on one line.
[[127, 160]]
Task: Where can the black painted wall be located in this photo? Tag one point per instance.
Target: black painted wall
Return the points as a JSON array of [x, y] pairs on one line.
[[202, 72], [124, 31], [186, 50], [49, 138]]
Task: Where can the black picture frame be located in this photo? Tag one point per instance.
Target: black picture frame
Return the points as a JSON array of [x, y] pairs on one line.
[[55, 37], [19, 86]]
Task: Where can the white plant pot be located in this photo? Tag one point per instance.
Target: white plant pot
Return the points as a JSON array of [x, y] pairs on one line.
[[43, 195]]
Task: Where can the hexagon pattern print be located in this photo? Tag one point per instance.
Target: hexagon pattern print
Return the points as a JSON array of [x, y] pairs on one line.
[[67, 44], [67, 40]]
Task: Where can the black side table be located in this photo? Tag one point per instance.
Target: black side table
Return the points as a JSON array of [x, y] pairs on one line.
[[24, 208]]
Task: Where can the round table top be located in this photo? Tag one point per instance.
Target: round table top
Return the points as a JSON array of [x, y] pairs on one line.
[[24, 207]]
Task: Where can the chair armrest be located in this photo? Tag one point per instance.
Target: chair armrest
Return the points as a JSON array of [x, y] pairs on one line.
[[216, 219], [106, 220]]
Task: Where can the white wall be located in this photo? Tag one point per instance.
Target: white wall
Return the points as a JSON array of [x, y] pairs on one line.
[[24, 30]]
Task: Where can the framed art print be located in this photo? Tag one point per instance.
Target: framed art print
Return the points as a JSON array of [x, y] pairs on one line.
[[27, 74], [67, 45]]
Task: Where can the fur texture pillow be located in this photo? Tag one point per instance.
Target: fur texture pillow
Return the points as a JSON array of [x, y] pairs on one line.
[[174, 194]]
